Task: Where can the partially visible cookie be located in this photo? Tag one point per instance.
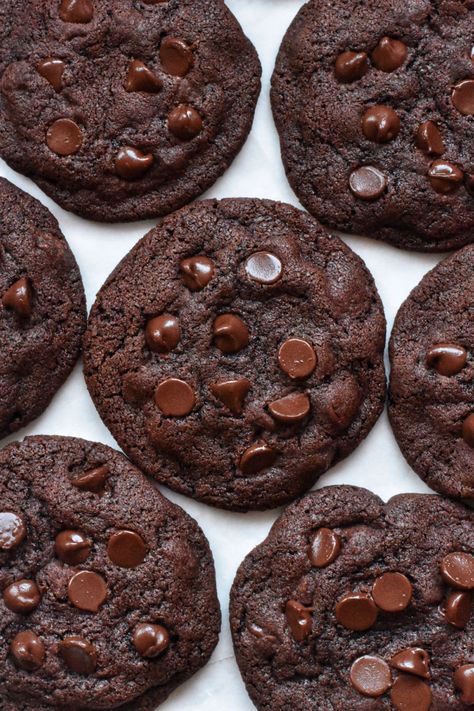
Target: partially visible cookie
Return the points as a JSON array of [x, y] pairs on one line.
[[236, 353], [42, 308], [431, 393], [107, 590], [374, 104], [121, 110], [351, 603]]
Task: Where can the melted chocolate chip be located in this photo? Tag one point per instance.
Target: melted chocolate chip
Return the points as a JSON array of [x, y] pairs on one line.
[[410, 694], [447, 358], [468, 430], [92, 480], [163, 333], [131, 163], [429, 139], [19, 298], [87, 590], [464, 681], [300, 620], [256, 458], [175, 397], [197, 272], [185, 122], [126, 549], [72, 547], [28, 650], [463, 97], [176, 56], [12, 530], [324, 548], [140, 78], [291, 408], [371, 676], [52, 70], [150, 640], [232, 393], [458, 609], [64, 137], [297, 358], [356, 611], [412, 660], [351, 66], [367, 183], [445, 177], [389, 54], [392, 592], [380, 124], [78, 654], [80, 11], [22, 596], [231, 334], [264, 267], [457, 570]]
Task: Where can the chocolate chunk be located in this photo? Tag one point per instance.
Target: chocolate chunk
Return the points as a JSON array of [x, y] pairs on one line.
[[80, 11], [231, 334], [463, 97], [264, 267], [380, 124], [371, 676], [150, 640], [197, 272], [232, 393], [175, 397], [410, 694], [127, 549], [12, 530], [87, 590], [367, 183], [356, 611], [458, 609], [300, 620], [457, 570], [351, 66], [464, 681], [131, 163], [257, 458], [64, 137], [72, 547], [445, 177], [163, 333], [392, 592], [185, 122], [389, 54], [141, 78], [28, 650], [429, 139], [447, 358], [19, 298], [176, 56], [22, 596], [412, 660], [297, 358], [92, 480], [78, 654], [325, 547], [468, 430], [291, 408], [52, 70]]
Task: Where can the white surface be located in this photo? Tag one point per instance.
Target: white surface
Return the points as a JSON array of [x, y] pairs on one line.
[[376, 464]]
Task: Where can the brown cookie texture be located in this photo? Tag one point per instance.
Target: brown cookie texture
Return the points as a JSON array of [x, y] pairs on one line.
[[42, 308], [122, 110], [351, 603], [432, 367], [376, 118], [107, 590], [236, 352]]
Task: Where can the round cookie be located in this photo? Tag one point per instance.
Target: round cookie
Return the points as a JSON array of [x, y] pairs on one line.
[[121, 110], [431, 397], [107, 590], [236, 353], [375, 115], [353, 604], [42, 308]]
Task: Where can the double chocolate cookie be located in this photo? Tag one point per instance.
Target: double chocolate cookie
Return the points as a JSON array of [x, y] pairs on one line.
[[432, 356], [353, 604], [237, 352], [107, 590], [42, 308], [374, 103], [123, 109]]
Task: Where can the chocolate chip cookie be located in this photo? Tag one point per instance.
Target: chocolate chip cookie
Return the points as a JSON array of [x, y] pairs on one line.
[[432, 355], [353, 604], [236, 352], [374, 103], [42, 308], [121, 110], [107, 590]]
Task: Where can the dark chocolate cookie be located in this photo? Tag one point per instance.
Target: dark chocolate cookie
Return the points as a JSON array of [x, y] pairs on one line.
[[124, 109], [432, 356], [374, 103], [353, 605], [236, 352], [107, 590], [42, 308]]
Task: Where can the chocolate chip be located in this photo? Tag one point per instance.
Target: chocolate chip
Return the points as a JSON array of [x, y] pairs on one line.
[[231, 334], [52, 70], [131, 163], [141, 78], [444, 177], [19, 298], [92, 480], [291, 408], [468, 430], [410, 694], [392, 592], [412, 660], [232, 393], [458, 609], [176, 56], [22, 596], [150, 640], [371, 676], [126, 549], [197, 272], [447, 358], [175, 397], [464, 681], [463, 97], [457, 570], [324, 548], [72, 547], [429, 139], [80, 11], [78, 654], [12, 530], [87, 590], [64, 137], [300, 619], [264, 267], [356, 611], [297, 358], [367, 183], [389, 54], [380, 124], [185, 122], [28, 650], [351, 66], [163, 333], [256, 458]]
